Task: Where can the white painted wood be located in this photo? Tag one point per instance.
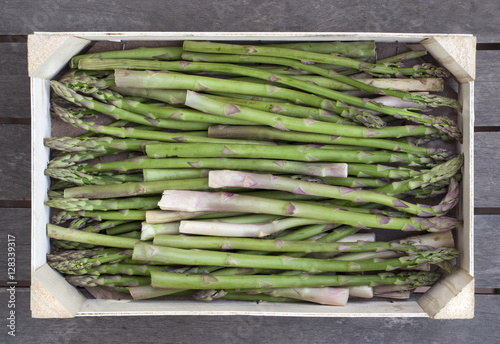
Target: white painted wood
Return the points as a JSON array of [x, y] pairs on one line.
[[223, 307], [41, 128], [300, 36]]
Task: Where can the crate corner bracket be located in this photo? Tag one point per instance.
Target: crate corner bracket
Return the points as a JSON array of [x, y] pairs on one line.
[[52, 296], [456, 53], [450, 298]]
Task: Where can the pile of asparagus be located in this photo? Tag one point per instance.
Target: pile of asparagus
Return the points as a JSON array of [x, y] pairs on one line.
[[254, 172]]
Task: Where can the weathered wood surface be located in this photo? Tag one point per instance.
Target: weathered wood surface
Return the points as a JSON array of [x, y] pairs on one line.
[[487, 256], [486, 88], [486, 162], [251, 329], [16, 222], [450, 16], [15, 162], [14, 88]]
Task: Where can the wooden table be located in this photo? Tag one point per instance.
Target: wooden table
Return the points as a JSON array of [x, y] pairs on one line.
[[19, 19]]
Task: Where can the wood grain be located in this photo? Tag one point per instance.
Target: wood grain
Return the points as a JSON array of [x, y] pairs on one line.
[[487, 83], [486, 161], [14, 88], [15, 166], [16, 222], [487, 256], [253, 329], [468, 16]]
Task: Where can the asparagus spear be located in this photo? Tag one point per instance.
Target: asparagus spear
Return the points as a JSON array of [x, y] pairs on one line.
[[164, 53], [170, 255], [74, 176], [243, 230], [293, 110], [61, 233], [224, 48], [76, 204], [184, 281], [107, 280], [94, 144], [266, 133], [286, 152], [325, 296], [279, 166], [423, 99], [212, 106], [349, 49], [131, 132], [224, 178], [222, 201], [133, 188], [124, 79], [277, 245]]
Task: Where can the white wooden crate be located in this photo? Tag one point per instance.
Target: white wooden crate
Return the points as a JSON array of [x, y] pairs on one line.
[[53, 297]]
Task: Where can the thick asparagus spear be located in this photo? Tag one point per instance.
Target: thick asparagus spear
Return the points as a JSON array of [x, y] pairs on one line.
[[170, 255], [224, 178], [223, 201]]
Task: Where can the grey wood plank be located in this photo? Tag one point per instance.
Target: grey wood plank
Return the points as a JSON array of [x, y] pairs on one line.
[[487, 102], [252, 329], [14, 88], [467, 16], [16, 222], [15, 166], [486, 161], [486, 254]]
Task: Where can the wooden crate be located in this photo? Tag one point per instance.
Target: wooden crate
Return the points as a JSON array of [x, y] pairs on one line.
[[53, 297]]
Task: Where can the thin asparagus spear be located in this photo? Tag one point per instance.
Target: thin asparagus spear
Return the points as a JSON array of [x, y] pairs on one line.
[[151, 175], [184, 281], [349, 49], [277, 245], [134, 189], [224, 48], [76, 204], [61, 233], [279, 166], [165, 53], [286, 152], [108, 280], [266, 133], [325, 296]]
